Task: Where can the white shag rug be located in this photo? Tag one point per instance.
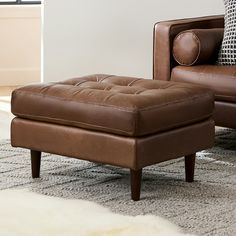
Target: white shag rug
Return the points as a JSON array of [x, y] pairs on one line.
[[23, 213]]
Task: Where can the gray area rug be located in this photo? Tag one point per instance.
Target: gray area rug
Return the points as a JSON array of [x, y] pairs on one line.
[[205, 207]]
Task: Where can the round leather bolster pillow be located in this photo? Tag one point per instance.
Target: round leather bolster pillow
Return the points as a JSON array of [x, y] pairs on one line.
[[197, 46]]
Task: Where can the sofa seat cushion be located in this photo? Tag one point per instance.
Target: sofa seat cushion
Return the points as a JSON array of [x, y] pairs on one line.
[[221, 79], [120, 105]]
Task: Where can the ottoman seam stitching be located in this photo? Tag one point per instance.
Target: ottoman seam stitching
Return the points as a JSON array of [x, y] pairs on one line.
[[52, 118], [90, 103], [79, 83], [132, 82], [130, 132], [174, 102], [106, 77], [119, 108]]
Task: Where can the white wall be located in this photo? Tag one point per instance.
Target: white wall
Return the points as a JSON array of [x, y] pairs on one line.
[[109, 36], [20, 45]]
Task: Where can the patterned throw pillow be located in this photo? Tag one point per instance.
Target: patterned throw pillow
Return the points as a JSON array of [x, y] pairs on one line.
[[227, 54]]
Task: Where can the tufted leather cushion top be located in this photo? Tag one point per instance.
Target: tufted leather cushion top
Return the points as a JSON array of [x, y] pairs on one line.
[[120, 105]]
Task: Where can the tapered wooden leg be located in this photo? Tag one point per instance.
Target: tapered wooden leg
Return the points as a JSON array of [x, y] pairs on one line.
[[189, 167], [135, 177], [35, 163]]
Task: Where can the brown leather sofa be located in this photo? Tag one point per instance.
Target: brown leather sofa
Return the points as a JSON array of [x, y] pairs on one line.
[[204, 71]]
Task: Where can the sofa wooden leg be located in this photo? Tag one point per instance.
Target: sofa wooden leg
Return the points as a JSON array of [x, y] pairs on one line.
[[35, 163], [189, 167], [136, 178]]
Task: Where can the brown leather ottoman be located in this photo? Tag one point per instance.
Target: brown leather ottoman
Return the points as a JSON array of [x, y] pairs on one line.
[[122, 121]]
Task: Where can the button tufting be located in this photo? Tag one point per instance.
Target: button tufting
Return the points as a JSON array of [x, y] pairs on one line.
[[120, 105]]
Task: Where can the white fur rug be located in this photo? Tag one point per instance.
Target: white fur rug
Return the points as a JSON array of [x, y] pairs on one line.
[[23, 213]]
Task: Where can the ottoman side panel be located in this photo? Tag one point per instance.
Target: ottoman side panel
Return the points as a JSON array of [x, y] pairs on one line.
[[175, 143], [74, 142]]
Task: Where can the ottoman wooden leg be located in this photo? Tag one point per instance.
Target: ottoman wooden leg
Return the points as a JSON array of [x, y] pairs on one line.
[[35, 163], [189, 167], [135, 177]]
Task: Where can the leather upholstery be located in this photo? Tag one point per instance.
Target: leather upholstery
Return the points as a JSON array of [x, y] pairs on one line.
[[197, 46], [113, 104], [164, 34], [225, 114], [130, 152], [220, 79]]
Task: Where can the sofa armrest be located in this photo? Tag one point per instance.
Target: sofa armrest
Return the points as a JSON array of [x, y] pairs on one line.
[[164, 34]]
